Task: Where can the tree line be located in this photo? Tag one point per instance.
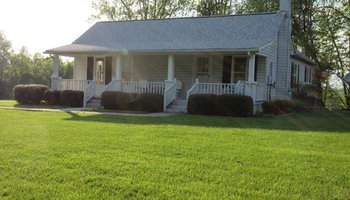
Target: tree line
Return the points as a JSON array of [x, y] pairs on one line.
[[23, 68]]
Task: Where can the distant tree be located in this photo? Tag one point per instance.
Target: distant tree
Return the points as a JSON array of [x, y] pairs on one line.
[[215, 7], [5, 54], [140, 9]]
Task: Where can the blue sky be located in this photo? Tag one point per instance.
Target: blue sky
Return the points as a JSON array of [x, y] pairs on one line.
[[43, 24]]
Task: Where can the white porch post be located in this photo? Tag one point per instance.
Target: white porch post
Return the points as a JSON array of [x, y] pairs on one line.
[[251, 69], [118, 73], [170, 67], [55, 75]]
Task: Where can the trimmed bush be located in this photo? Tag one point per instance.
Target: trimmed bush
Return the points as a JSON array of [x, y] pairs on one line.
[[202, 104], [131, 101], [148, 102], [52, 97], [29, 94], [235, 105], [72, 98], [284, 106]]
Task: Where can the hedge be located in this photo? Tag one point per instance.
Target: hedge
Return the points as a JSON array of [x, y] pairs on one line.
[[235, 105], [131, 101], [29, 94], [72, 98], [202, 104], [227, 105], [284, 106], [52, 97]]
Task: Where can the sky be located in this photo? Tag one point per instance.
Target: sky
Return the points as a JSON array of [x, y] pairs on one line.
[[43, 24]]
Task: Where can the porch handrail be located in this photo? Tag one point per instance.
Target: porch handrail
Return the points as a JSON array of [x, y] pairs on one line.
[[110, 86], [143, 87], [72, 84], [241, 88], [193, 89], [169, 94], [89, 92]]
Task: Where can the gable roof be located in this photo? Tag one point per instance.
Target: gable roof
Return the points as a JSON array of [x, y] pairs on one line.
[[302, 57], [226, 33]]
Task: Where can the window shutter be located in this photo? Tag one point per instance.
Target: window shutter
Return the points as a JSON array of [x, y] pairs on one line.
[[108, 78], [90, 68]]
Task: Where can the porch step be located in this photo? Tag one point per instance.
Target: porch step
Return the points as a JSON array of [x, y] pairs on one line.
[[94, 103], [178, 106]]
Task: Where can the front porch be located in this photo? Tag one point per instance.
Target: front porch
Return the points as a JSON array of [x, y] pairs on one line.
[[184, 75]]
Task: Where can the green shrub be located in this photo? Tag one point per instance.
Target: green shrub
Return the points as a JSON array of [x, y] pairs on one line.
[[29, 94], [148, 102], [72, 98], [284, 106], [202, 104], [52, 97], [131, 101], [235, 105]]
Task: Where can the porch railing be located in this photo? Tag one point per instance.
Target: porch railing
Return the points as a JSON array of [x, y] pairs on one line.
[[169, 94], [248, 89], [89, 92], [72, 84], [143, 87]]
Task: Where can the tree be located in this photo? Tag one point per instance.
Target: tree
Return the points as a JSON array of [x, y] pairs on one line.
[[140, 9], [215, 7], [5, 53]]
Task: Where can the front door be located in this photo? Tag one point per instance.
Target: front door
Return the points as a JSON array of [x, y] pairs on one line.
[[227, 68], [100, 76]]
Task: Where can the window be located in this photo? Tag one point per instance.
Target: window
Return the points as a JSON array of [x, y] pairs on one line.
[[240, 69], [294, 75], [203, 66], [308, 75]]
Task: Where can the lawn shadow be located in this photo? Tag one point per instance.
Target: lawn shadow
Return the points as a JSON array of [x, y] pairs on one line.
[[337, 122]]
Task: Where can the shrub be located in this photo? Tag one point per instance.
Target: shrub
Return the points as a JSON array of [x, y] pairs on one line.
[[131, 101], [72, 98], [202, 104], [284, 106], [235, 105], [29, 94], [52, 97], [148, 102]]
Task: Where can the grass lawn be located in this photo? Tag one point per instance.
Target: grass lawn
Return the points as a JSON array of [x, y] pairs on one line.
[[68, 156], [11, 103]]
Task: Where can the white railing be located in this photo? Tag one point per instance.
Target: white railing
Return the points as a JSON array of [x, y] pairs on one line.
[[249, 89], [261, 92], [143, 87], [169, 94], [89, 92], [114, 85], [72, 84]]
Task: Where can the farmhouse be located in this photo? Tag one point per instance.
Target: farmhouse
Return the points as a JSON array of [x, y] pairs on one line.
[[247, 54]]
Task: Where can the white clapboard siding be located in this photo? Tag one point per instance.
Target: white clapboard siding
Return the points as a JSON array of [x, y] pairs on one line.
[[270, 52], [217, 67], [80, 64], [283, 61], [153, 68], [183, 72]]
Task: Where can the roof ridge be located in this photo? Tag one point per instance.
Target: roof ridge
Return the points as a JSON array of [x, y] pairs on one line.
[[197, 17]]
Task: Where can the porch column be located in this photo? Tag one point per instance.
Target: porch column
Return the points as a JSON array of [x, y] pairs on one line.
[[118, 73], [55, 75], [170, 68], [251, 69]]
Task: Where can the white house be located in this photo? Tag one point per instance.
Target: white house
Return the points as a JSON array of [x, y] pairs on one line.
[[247, 54]]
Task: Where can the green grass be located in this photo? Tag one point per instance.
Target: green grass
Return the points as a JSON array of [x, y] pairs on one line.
[[69, 156], [17, 105]]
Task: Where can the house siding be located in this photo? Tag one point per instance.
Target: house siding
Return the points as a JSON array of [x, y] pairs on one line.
[[283, 60], [270, 52], [183, 71], [153, 68], [80, 64]]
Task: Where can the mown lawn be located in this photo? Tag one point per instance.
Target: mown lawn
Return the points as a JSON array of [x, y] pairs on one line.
[[70, 156]]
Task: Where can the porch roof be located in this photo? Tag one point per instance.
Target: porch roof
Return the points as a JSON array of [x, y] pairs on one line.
[[219, 33]]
